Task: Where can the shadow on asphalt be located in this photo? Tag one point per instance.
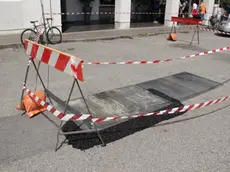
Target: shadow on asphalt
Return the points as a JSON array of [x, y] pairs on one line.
[[222, 35], [112, 134]]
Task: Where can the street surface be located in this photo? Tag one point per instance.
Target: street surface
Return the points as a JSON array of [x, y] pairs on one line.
[[198, 141]]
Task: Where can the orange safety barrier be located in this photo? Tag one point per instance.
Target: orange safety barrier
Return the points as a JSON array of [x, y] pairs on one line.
[[190, 21]]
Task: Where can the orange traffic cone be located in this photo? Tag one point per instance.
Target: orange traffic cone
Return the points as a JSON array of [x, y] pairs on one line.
[[32, 107], [172, 37]]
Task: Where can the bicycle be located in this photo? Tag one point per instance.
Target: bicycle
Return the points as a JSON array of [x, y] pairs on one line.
[[214, 22], [35, 35]]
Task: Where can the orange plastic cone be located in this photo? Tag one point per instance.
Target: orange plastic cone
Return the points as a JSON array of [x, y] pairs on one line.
[[31, 106], [172, 37]]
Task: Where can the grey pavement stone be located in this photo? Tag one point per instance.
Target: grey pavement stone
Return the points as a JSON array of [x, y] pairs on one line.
[[13, 41], [196, 141]]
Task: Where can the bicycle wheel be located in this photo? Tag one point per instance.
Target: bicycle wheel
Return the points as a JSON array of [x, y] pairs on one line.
[[54, 35], [28, 34]]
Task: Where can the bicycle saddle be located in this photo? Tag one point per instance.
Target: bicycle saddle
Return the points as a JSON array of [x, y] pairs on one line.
[[33, 21], [49, 18]]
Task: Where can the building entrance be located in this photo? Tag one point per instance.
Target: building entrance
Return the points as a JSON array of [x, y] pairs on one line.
[[94, 19]]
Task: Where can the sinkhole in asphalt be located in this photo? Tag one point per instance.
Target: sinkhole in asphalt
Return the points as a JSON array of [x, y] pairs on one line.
[[150, 96]]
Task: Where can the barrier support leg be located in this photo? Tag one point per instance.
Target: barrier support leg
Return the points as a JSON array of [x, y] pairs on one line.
[[66, 106], [193, 37], [42, 82], [198, 34], [36, 80], [24, 83], [174, 26], [98, 133]]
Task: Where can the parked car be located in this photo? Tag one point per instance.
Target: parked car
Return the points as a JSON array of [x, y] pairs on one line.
[[224, 26]]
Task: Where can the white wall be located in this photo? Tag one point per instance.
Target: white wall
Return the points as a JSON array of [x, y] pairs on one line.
[[209, 5], [18, 14], [171, 10], [74, 6], [11, 15]]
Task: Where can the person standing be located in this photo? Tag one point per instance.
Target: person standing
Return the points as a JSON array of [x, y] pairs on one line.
[[155, 10], [194, 11], [202, 10]]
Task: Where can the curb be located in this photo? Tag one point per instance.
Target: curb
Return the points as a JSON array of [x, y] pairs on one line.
[[125, 36]]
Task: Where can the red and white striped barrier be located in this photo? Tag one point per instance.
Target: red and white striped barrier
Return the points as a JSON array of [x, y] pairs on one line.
[[80, 117], [158, 61], [209, 30], [57, 59], [107, 13]]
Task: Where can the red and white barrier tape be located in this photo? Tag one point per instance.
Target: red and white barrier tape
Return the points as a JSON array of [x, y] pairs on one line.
[[80, 117], [209, 30], [102, 13], [180, 109], [158, 61], [108, 13]]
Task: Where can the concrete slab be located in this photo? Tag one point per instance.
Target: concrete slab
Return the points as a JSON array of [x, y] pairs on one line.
[[125, 101], [181, 86]]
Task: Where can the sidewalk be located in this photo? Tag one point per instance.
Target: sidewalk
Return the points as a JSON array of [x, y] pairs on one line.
[[10, 41]]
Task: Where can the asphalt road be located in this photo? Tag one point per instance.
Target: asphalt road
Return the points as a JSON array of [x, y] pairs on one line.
[[194, 142]]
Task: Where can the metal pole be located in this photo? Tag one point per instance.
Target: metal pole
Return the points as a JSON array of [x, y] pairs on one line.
[[51, 12], [24, 83], [198, 34], [44, 20], [42, 82], [193, 37], [45, 36], [99, 135], [190, 7], [66, 106], [36, 80]]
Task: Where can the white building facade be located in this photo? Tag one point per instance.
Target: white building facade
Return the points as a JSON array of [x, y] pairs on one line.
[[17, 14]]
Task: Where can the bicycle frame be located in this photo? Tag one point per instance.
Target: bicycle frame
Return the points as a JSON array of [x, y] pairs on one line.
[[41, 26], [36, 27]]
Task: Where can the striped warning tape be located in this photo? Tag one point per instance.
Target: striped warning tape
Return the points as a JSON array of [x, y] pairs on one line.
[[80, 117], [180, 109], [103, 13], [158, 61], [209, 30], [108, 13]]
